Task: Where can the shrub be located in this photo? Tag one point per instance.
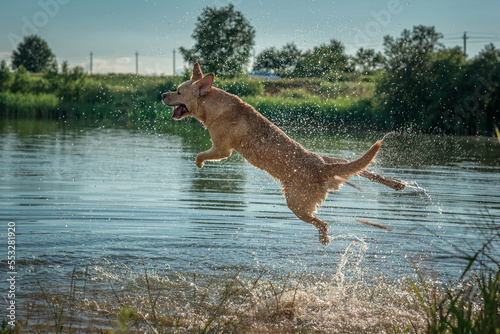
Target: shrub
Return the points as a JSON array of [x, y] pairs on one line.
[[241, 87], [28, 105], [296, 93], [314, 112], [21, 81], [5, 77]]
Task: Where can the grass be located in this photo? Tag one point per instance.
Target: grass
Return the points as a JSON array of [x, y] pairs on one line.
[[17, 105]]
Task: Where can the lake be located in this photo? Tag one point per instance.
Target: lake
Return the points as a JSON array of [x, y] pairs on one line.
[[110, 202]]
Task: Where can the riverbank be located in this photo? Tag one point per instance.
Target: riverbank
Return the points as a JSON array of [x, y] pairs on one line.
[[131, 98], [349, 101]]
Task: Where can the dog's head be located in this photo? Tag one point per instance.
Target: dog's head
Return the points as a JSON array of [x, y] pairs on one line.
[[186, 98]]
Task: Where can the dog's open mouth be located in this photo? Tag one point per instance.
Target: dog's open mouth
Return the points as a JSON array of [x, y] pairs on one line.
[[179, 112]]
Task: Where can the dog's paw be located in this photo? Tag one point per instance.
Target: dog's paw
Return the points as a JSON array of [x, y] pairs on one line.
[[199, 163], [324, 239]]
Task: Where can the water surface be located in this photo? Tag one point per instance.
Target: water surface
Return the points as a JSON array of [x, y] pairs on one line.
[[124, 198]]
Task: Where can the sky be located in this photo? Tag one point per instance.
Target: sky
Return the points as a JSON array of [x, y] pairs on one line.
[[114, 30]]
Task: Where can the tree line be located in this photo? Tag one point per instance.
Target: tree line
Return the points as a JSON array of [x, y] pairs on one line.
[[419, 82]]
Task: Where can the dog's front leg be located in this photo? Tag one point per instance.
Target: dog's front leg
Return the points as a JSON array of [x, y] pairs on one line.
[[213, 154]]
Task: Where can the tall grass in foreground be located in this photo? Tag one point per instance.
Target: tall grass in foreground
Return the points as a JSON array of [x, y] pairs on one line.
[[473, 305]]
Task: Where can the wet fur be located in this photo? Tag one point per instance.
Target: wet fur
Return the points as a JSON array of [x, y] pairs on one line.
[[306, 177]]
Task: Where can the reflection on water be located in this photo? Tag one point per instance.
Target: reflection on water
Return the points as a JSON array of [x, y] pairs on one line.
[[87, 196]]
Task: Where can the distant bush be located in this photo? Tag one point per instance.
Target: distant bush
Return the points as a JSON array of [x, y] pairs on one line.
[[5, 76], [241, 87], [295, 93], [315, 112], [21, 82], [28, 105]]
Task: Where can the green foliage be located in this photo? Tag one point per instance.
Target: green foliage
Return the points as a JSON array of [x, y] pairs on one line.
[[127, 314], [435, 89], [280, 62], [224, 40], [33, 53], [423, 86], [323, 60], [404, 89], [367, 60], [241, 87], [295, 93], [5, 77], [315, 112], [21, 82], [28, 105], [476, 110]]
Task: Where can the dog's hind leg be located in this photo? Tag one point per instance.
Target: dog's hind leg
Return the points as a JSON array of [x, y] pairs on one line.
[[304, 205], [322, 227], [393, 183]]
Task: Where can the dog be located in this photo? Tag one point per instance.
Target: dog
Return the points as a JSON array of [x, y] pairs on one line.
[[234, 125]]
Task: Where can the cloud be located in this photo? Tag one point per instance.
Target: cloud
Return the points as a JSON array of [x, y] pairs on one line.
[[123, 60], [119, 65]]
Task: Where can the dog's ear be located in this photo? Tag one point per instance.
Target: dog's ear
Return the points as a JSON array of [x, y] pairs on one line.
[[197, 74], [204, 85]]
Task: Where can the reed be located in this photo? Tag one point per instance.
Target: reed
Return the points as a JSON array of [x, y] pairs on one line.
[[472, 304]]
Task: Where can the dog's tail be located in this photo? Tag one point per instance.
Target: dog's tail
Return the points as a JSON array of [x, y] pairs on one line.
[[341, 172]]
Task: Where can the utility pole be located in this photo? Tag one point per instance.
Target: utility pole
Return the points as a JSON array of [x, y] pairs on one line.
[[137, 63], [90, 62], [465, 45], [174, 63]]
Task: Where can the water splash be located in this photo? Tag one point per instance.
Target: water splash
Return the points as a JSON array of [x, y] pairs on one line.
[[355, 250], [415, 186], [190, 302]]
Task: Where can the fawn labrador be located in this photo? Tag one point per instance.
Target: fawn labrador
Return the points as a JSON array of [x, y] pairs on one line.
[[306, 177]]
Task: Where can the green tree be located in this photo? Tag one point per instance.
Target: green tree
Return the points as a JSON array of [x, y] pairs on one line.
[[367, 60], [445, 79], [33, 53], [281, 62], [323, 60], [223, 41], [404, 90], [478, 107], [268, 60], [5, 76]]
